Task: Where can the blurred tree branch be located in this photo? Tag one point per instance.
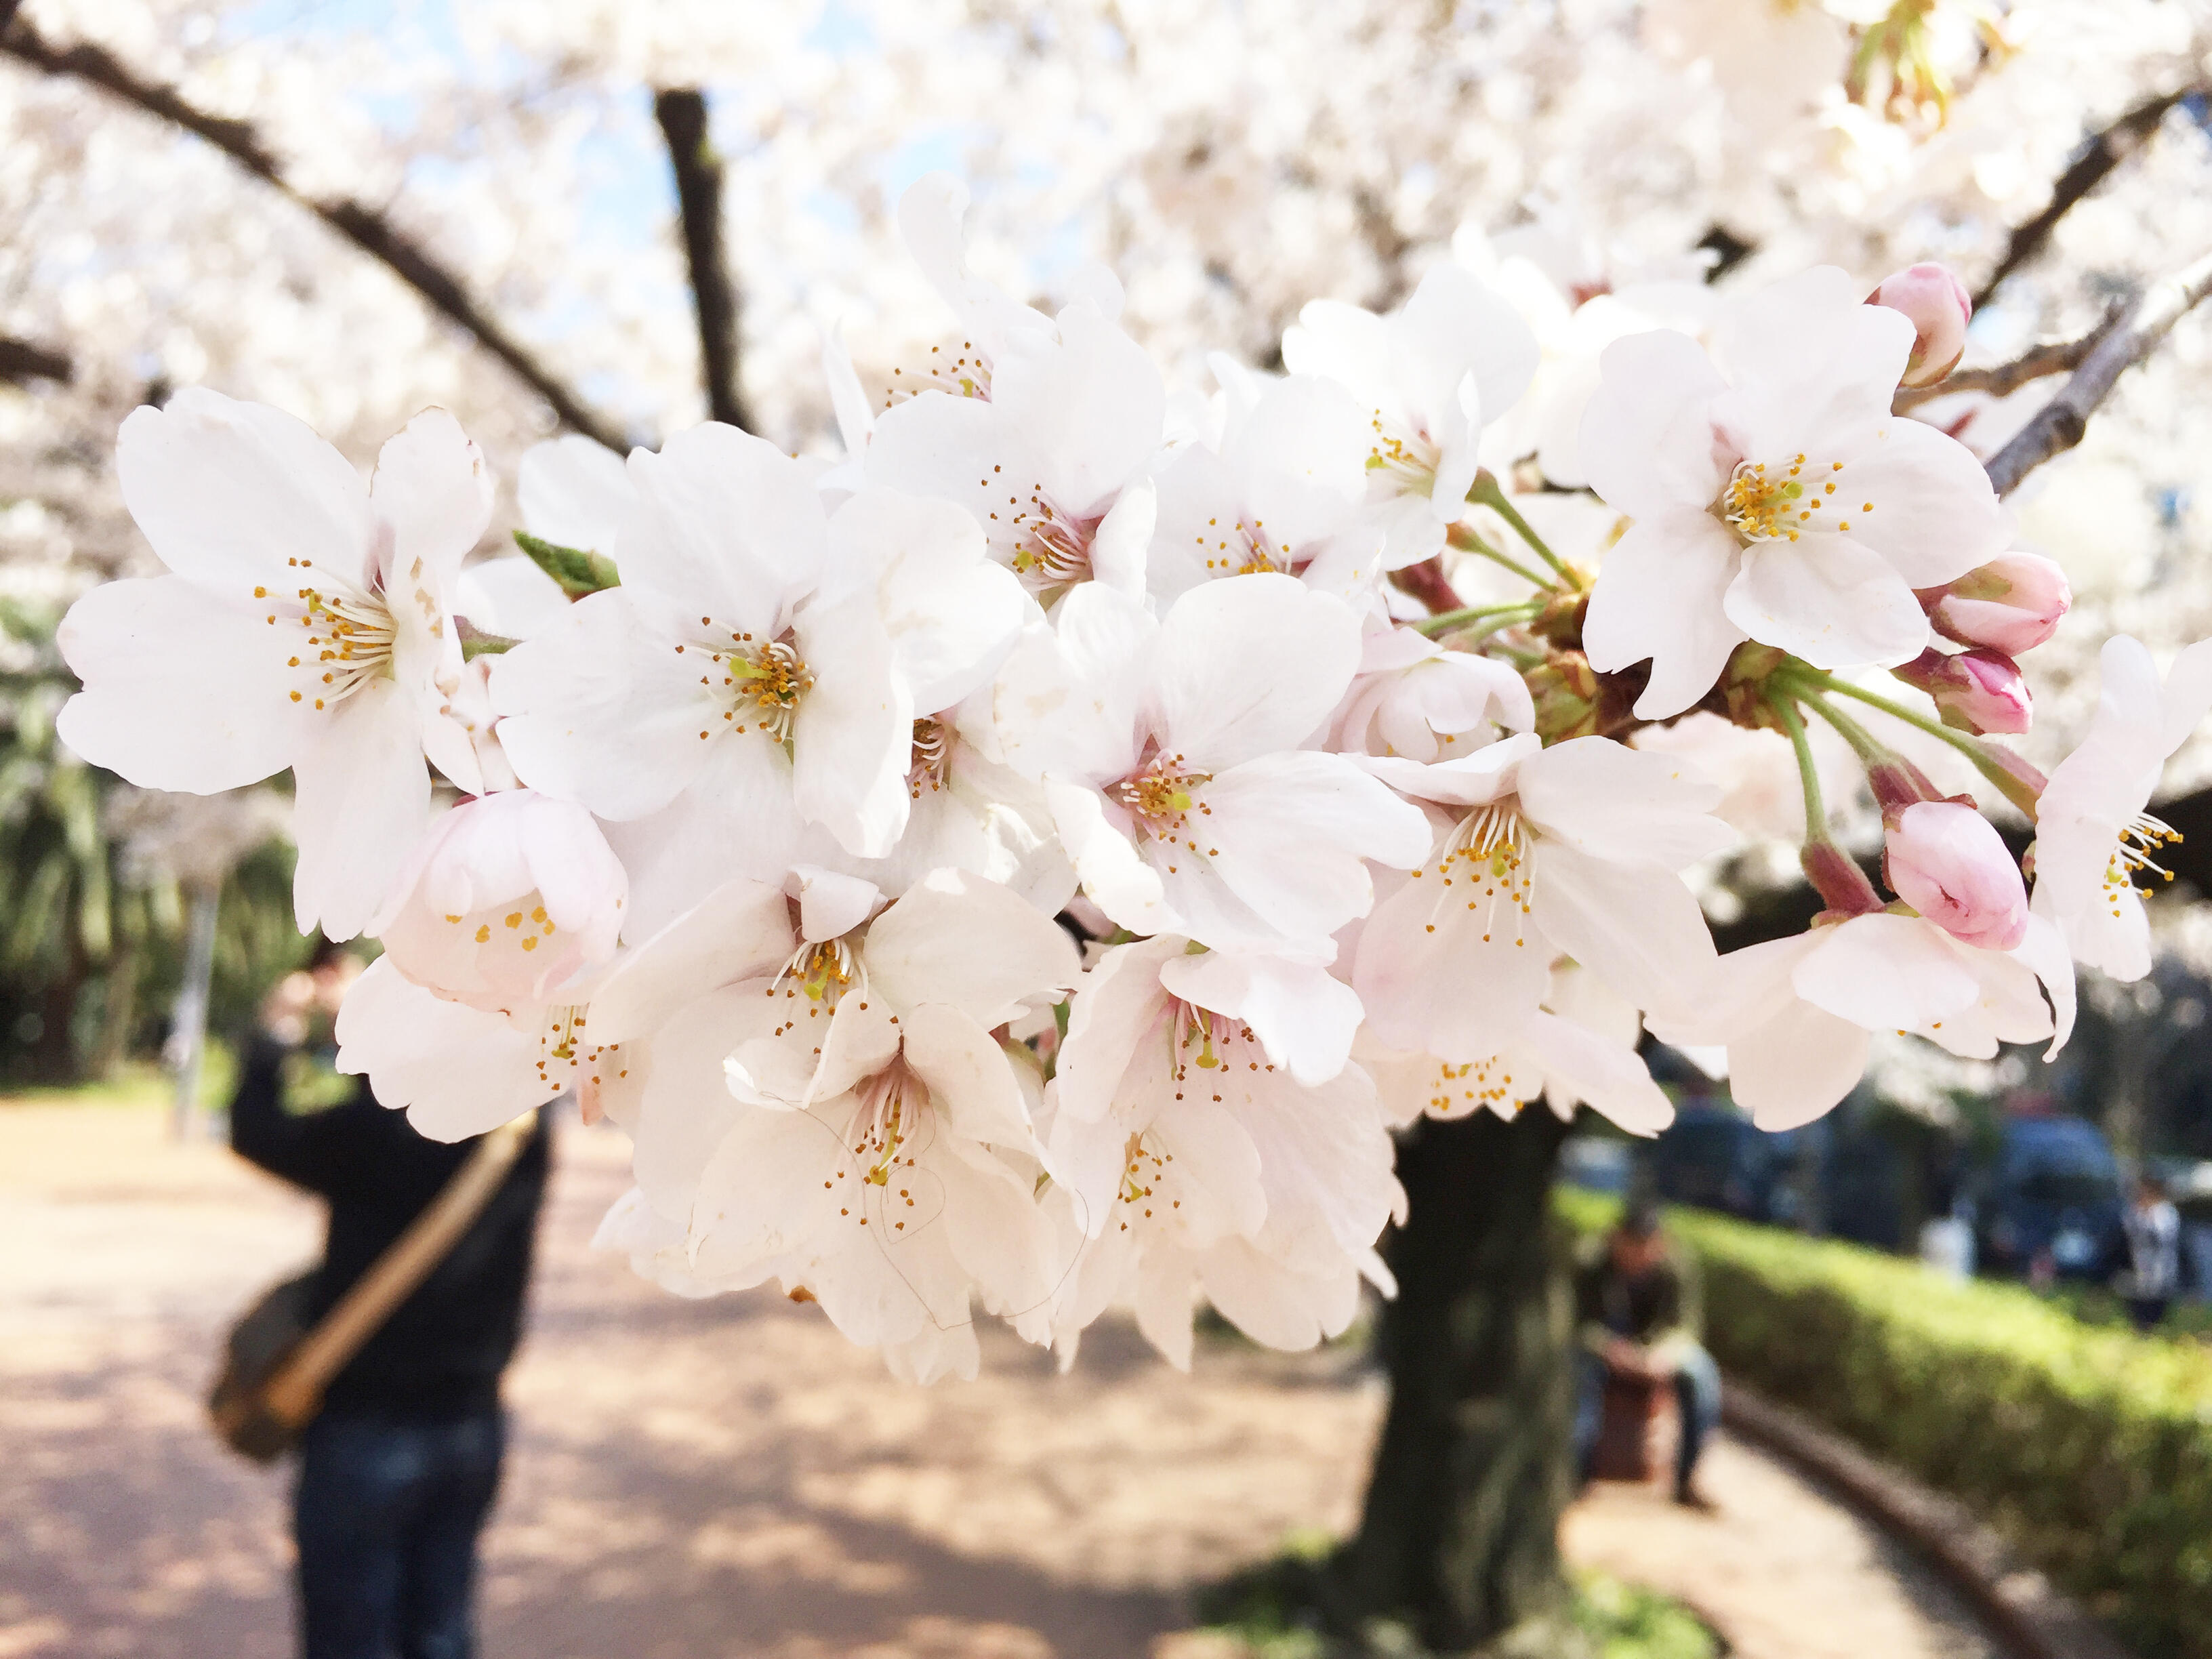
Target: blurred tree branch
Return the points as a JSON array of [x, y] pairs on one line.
[[363, 225], [21, 360], [2001, 380], [681, 112], [2132, 336], [2090, 166]]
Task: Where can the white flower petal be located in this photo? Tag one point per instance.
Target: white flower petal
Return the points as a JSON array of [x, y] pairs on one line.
[[602, 709], [1795, 1065], [1829, 598], [1660, 594], [726, 525], [970, 1080], [361, 799], [575, 492], [1250, 666], [1646, 443], [1302, 1015], [1886, 973], [739, 931], [853, 734], [1615, 802], [1579, 1065], [183, 689], [455, 1071], [433, 493], [1633, 924], [972, 945], [231, 493], [1129, 890]]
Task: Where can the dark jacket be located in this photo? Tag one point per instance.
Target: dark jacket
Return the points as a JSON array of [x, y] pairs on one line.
[[440, 1354], [1645, 1307]]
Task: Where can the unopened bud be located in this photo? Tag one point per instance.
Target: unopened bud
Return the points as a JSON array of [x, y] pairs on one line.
[[1949, 863], [1938, 305], [2012, 603], [1565, 689], [1978, 691]]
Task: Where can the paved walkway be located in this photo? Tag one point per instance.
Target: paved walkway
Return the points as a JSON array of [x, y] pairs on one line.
[[705, 1480]]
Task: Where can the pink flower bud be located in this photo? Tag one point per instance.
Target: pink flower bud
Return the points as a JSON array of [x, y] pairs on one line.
[[2012, 603], [1978, 691], [1938, 305], [1949, 863]]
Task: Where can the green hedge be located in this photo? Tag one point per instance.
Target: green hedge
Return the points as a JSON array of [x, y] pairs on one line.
[[2089, 1448]]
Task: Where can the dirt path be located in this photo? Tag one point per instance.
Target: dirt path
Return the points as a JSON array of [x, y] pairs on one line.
[[704, 1480]]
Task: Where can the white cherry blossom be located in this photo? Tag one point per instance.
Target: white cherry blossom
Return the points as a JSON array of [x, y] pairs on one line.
[[1169, 754], [1430, 373], [1795, 1014], [1414, 698], [1774, 495], [1539, 853], [508, 899], [1579, 1048], [851, 1124], [2093, 831], [763, 658], [306, 622], [1192, 1158], [1041, 429], [1281, 489], [459, 1070]]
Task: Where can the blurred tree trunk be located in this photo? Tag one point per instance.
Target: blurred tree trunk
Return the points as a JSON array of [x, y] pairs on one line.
[[1458, 1542]]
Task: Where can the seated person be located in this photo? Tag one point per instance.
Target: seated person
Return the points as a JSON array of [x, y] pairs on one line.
[[1638, 1313]]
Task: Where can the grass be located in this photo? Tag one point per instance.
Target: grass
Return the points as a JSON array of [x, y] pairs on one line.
[[1268, 1612], [140, 1084], [1626, 1621]]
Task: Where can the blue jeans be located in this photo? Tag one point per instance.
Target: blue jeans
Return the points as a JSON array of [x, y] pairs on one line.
[[1697, 1397], [386, 1513]]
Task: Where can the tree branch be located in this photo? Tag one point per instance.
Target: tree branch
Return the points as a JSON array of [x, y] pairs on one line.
[[2059, 424], [2001, 380], [681, 112], [366, 229], [2092, 164], [21, 361]]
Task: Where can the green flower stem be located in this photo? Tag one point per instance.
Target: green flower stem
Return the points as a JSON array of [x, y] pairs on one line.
[[1973, 748], [1870, 749], [1468, 542], [1499, 616], [1816, 811], [1486, 493]]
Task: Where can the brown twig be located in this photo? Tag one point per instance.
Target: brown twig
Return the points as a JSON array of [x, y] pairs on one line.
[[2092, 164], [2059, 424], [2001, 380], [681, 112], [363, 225], [21, 361]]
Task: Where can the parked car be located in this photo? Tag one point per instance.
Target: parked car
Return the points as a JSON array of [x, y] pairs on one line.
[[1713, 1157], [2055, 1187]]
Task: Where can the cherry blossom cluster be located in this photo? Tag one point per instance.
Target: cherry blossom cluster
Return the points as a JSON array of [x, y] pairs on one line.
[[1032, 862]]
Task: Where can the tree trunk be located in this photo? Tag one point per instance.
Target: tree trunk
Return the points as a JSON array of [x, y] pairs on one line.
[[1458, 1542]]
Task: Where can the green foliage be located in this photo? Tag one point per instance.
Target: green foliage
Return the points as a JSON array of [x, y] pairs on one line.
[[92, 952], [2089, 1447], [1626, 1621], [577, 571], [1272, 1611]]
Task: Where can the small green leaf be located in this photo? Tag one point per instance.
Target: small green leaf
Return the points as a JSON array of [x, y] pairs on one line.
[[577, 572]]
